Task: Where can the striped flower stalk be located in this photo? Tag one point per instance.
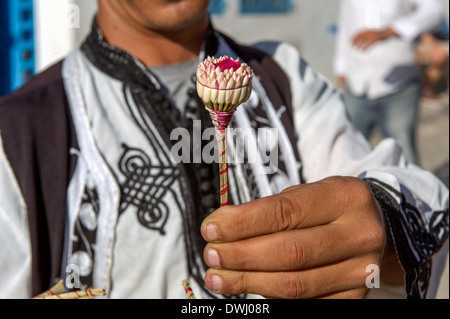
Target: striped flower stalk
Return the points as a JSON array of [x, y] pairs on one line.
[[187, 288], [223, 84]]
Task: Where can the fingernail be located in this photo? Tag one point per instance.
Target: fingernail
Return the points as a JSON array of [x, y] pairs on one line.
[[216, 284], [213, 258], [211, 232]]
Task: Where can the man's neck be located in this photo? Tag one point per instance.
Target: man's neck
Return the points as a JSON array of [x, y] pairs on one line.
[[153, 48]]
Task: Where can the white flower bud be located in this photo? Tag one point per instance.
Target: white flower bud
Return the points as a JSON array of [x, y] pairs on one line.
[[223, 84]]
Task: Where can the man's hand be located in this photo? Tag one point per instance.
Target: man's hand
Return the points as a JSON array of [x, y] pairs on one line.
[[313, 240], [367, 38]]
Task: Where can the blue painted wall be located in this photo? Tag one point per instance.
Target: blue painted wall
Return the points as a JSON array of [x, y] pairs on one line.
[[17, 57]]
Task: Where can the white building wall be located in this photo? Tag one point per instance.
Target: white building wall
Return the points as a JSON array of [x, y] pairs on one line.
[[307, 27], [60, 25]]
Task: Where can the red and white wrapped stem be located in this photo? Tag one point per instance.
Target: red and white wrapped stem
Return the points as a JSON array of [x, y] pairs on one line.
[[221, 120], [223, 84], [187, 288]]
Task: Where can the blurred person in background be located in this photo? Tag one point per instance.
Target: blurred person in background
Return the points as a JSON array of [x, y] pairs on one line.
[[376, 65], [87, 178]]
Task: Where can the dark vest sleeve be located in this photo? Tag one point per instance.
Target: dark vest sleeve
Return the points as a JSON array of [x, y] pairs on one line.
[[37, 134]]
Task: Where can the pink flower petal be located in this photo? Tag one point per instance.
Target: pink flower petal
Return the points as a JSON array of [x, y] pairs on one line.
[[228, 64]]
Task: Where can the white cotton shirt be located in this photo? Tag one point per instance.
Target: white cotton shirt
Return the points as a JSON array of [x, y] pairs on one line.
[[387, 66], [134, 262]]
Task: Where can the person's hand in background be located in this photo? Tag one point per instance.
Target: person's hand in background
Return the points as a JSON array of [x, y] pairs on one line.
[[367, 38]]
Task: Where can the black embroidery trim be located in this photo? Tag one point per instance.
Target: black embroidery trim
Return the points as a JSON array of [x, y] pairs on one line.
[[194, 243], [415, 239], [145, 186], [85, 236]]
